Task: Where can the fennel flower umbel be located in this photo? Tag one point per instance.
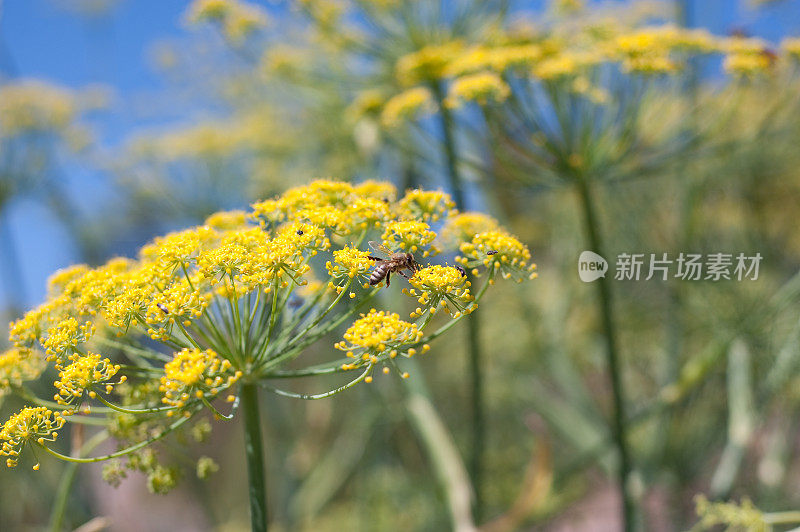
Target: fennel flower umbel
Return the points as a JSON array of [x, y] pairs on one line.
[[151, 346]]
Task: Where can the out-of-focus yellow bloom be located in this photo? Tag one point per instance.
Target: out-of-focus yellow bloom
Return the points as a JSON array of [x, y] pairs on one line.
[[18, 366], [483, 87], [496, 58], [35, 107], [225, 221], [407, 105], [427, 64], [747, 56], [425, 205], [237, 19], [566, 64], [791, 46], [366, 103], [464, 226], [568, 6]]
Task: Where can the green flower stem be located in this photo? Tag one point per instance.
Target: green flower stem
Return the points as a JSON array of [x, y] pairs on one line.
[[294, 349], [124, 410], [324, 394], [217, 412], [67, 478], [327, 368], [780, 518], [122, 452], [254, 451], [473, 325], [24, 393], [619, 421], [441, 450]]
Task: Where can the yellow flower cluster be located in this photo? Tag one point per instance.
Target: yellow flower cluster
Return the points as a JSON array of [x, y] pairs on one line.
[[499, 251], [196, 371], [791, 47], [83, 373], [221, 298], [31, 424], [747, 56], [36, 107], [18, 366], [407, 105], [237, 19], [482, 87], [428, 206], [494, 58], [426, 64], [63, 337], [463, 226], [651, 50], [410, 235], [441, 286], [348, 263], [376, 337]]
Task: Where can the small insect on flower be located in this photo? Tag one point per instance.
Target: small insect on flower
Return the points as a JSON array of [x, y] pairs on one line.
[[396, 263], [162, 308], [299, 232], [492, 252], [461, 270]]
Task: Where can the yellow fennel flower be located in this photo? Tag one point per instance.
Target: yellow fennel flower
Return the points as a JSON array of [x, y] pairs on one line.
[[63, 337], [349, 262], [195, 373], [441, 286], [29, 425], [410, 236], [499, 251], [377, 336], [83, 373]]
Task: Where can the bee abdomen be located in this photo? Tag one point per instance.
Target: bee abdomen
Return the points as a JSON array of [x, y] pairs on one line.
[[378, 274]]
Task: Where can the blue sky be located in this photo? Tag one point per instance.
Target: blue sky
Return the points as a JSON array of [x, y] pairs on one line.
[[45, 39]]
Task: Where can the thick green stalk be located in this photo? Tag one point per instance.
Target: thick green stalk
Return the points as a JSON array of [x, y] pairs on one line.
[[473, 340], [67, 480], [254, 451], [619, 421], [441, 450]]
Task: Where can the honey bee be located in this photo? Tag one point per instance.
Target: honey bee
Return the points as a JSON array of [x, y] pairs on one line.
[[396, 263]]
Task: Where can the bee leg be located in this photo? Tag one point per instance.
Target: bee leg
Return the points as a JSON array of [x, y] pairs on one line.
[[388, 276], [370, 257], [403, 274]]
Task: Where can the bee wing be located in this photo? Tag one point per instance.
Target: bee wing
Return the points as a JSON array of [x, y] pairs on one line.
[[377, 246]]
